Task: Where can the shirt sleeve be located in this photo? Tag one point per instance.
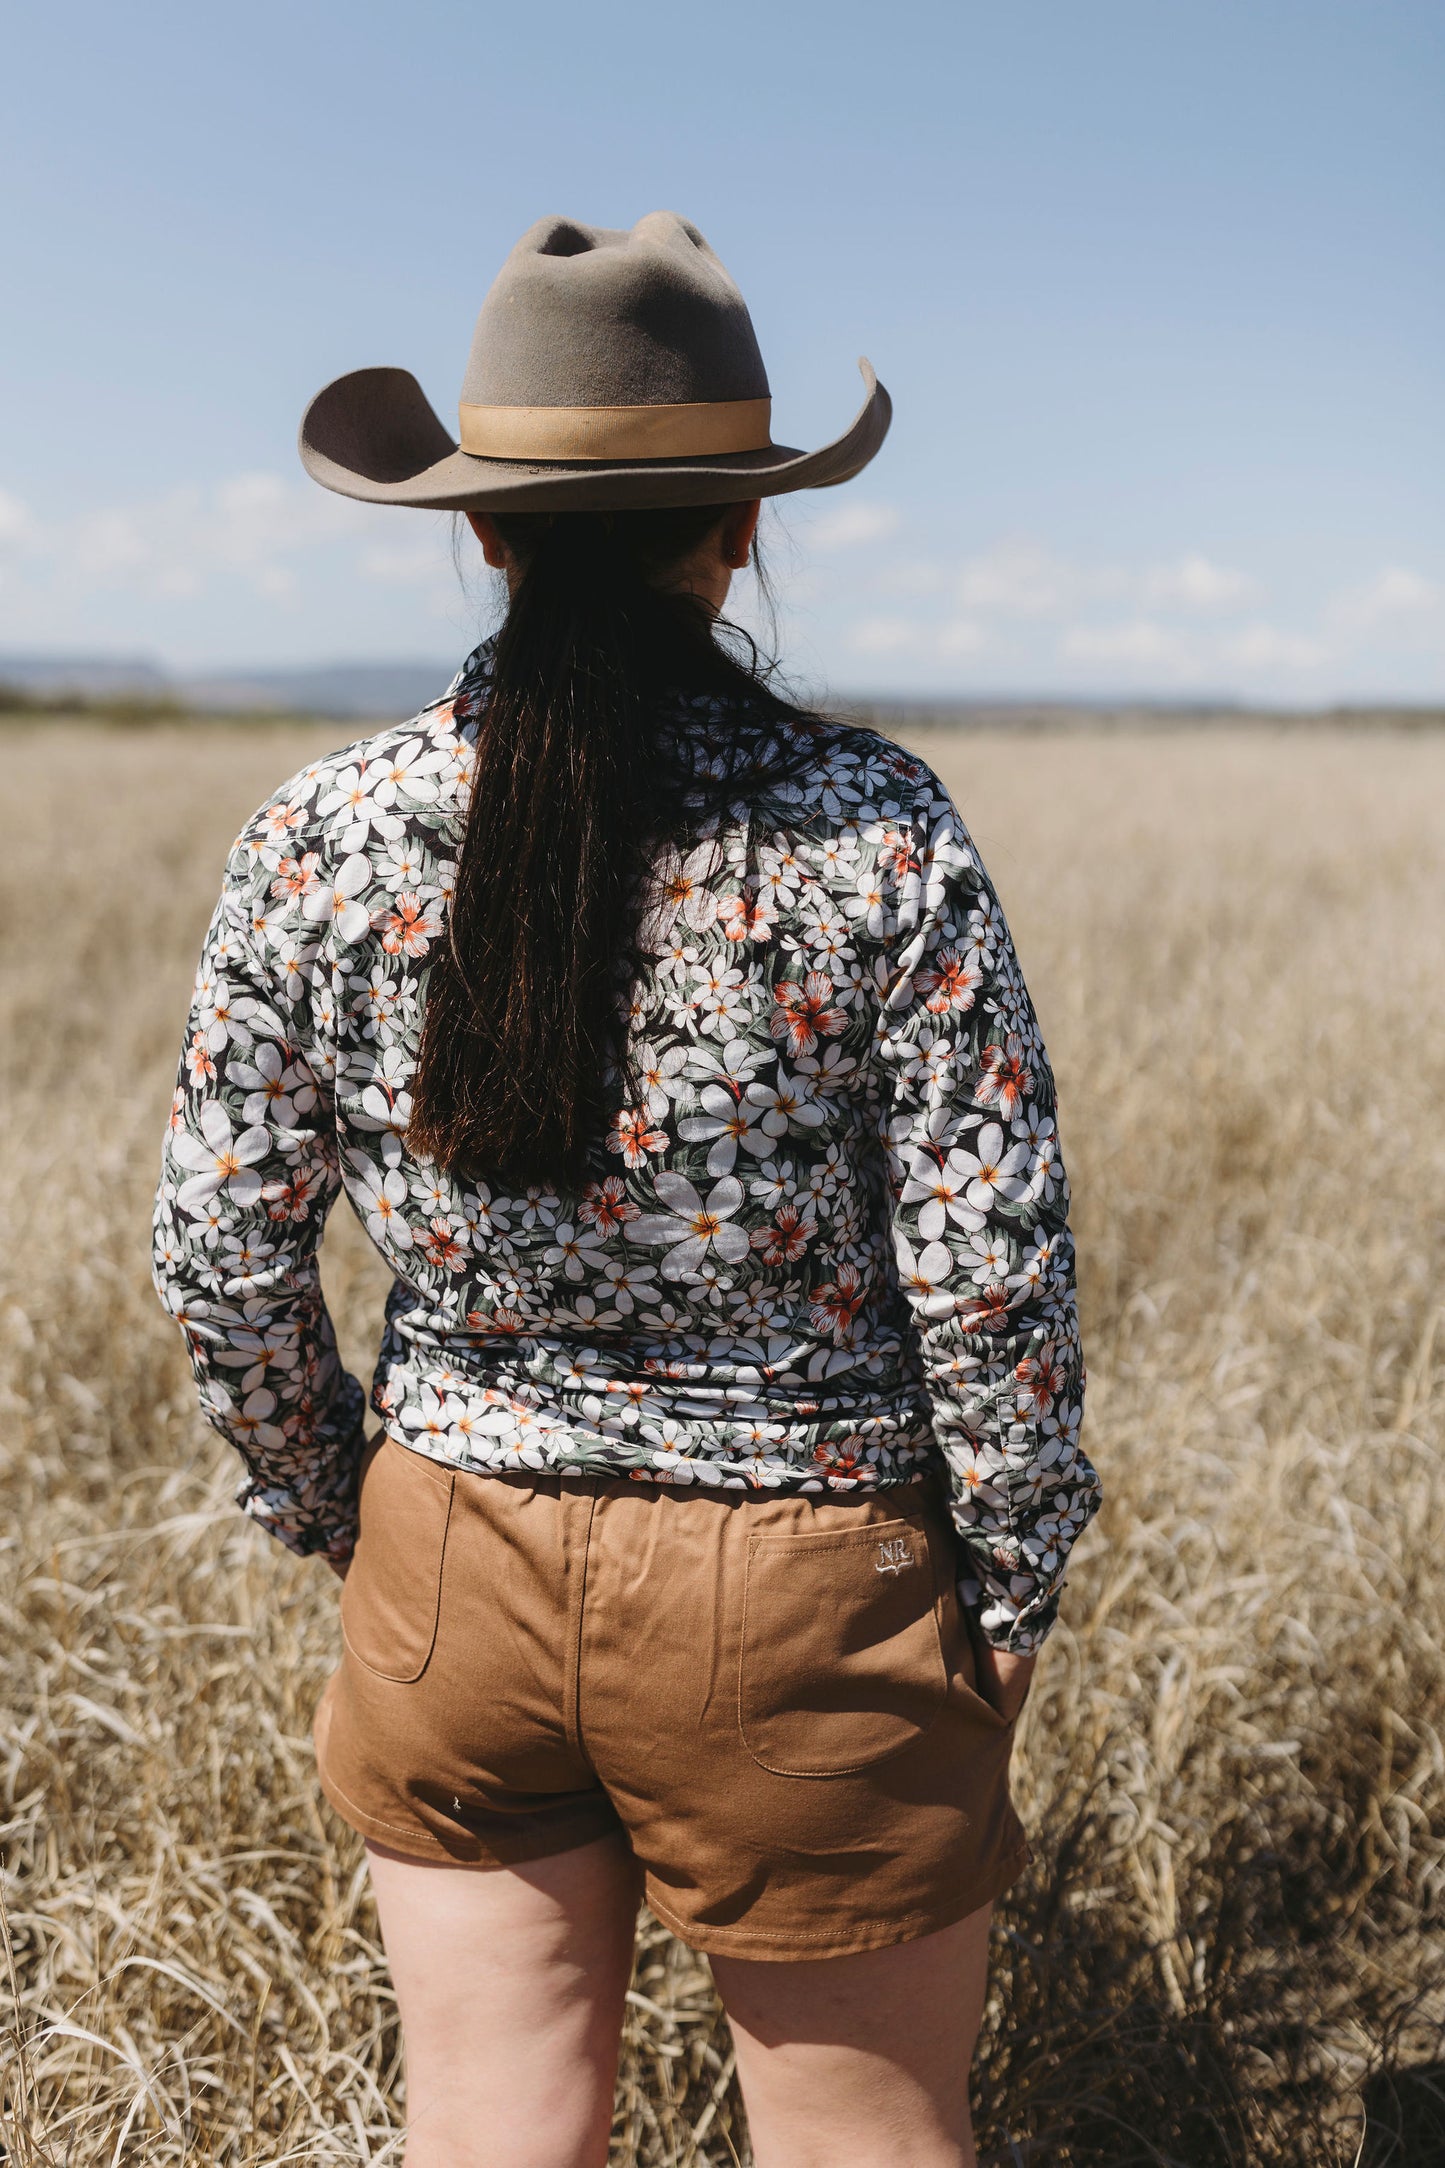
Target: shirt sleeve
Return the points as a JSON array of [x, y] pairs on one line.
[[981, 1235], [249, 1173]]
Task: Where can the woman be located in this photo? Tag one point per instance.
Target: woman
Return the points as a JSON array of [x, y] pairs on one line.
[[670, 1043]]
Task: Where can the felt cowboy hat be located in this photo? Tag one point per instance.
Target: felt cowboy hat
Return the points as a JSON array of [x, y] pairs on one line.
[[608, 370]]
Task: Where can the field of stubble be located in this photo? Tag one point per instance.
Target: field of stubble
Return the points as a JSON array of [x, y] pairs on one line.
[[1231, 1948]]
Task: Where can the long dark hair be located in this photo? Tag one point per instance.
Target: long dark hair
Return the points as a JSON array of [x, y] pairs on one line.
[[584, 769]]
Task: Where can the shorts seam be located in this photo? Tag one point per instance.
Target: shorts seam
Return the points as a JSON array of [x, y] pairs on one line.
[[846, 1539], [896, 1928], [487, 1857], [395, 1829], [442, 1472], [576, 1629], [447, 1485]]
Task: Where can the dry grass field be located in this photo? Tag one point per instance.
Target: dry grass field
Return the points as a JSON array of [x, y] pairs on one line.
[[1231, 1947]]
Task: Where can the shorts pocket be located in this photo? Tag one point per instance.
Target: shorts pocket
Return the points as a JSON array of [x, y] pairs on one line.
[[391, 1596], [842, 1660]]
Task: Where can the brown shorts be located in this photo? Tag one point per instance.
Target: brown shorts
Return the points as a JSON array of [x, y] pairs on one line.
[[771, 1696]]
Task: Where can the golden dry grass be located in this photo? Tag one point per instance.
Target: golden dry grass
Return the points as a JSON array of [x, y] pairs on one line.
[[1231, 1942]]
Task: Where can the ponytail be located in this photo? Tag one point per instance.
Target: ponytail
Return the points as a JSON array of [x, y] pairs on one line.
[[580, 775]]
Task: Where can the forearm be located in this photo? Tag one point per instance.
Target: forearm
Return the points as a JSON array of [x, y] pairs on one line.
[[248, 1175], [1007, 1407], [270, 1380]]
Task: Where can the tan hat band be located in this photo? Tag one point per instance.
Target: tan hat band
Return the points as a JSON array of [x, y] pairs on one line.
[[702, 429]]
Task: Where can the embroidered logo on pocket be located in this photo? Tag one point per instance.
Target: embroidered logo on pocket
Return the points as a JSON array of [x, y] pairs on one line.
[[893, 1555]]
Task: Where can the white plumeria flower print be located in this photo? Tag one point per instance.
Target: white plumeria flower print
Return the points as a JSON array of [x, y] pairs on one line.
[[988, 1254], [361, 817], [576, 1250], [787, 1103], [628, 1282], [338, 903], [694, 1225], [940, 1190], [410, 772], [726, 1122], [277, 1090], [657, 1071], [224, 1164], [380, 1194], [922, 1272], [996, 1171], [383, 1111]]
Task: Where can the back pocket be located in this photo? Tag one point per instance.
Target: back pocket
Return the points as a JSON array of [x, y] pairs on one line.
[[842, 1660], [391, 1596]]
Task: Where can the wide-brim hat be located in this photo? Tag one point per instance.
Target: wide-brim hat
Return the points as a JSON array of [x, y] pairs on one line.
[[609, 369]]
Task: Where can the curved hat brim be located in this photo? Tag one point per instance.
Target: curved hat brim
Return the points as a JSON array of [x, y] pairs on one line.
[[373, 434]]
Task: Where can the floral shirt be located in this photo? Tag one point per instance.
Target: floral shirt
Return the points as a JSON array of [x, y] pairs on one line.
[[824, 1244]]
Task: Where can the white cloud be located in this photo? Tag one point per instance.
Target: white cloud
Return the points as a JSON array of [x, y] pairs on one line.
[[1265, 647], [963, 637], [845, 526], [1138, 642], [1025, 614], [259, 529], [915, 577], [1394, 593], [409, 557], [885, 635], [104, 544], [1015, 579], [1018, 578], [15, 520], [1195, 583]]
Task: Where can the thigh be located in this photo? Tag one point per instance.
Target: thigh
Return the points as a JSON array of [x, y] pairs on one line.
[[510, 1983], [861, 2062]]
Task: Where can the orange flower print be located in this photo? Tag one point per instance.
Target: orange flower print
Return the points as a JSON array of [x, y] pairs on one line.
[[292, 1198], [606, 1205], [805, 1012], [840, 1456], [986, 1312], [789, 1235], [952, 981], [411, 927], [501, 1319], [1005, 1079], [440, 1247], [1041, 1379], [744, 919], [296, 876], [837, 1302], [898, 855], [634, 1135], [198, 1059], [279, 819]]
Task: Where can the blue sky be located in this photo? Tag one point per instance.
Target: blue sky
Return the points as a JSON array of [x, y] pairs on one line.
[[1156, 286]]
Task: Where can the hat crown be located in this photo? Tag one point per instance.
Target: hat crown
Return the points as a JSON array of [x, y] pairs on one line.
[[600, 316]]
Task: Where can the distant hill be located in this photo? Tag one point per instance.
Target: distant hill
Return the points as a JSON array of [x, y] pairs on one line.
[[363, 690], [93, 677], [360, 689], [391, 691]]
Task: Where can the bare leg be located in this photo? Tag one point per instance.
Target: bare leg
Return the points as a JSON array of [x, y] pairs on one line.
[[861, 2062], [511, 1986]]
